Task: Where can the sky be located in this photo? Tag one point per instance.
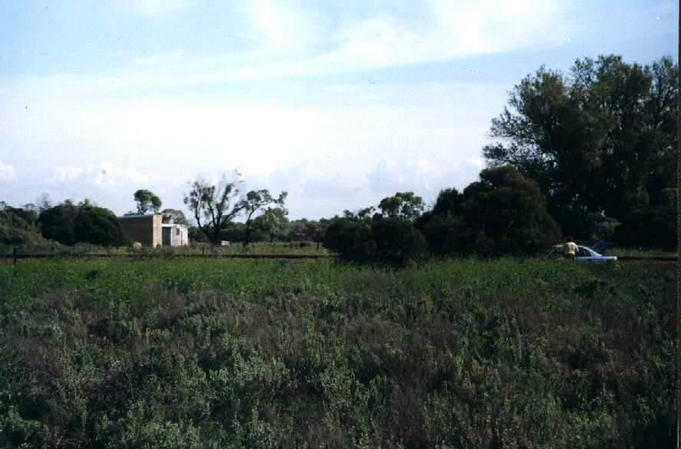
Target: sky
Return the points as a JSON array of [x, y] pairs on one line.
[[338, 103]]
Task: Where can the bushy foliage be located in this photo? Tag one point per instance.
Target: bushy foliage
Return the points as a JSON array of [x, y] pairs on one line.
[[147, 201], [403, 205], [653, 228], [351, 238], [397, 241], [68, 223], [308, 230], [599, 140], [98, 226], [458, 354], [18, 226], [174, 216], [391, 241], [58, 223], [502, 214]]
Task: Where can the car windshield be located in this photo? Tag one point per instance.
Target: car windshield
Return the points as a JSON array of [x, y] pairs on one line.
[[583, 252]]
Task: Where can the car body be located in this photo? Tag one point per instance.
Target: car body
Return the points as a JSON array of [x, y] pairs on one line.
[[584, 254]]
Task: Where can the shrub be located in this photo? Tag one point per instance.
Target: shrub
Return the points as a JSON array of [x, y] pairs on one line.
[[98, 226], [68, 223], [57, 223], [391, 241], [396, 241], [18, 227], [350, 238], [654, 228], [502, 214]]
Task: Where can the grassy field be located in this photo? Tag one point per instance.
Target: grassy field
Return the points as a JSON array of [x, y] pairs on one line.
[[302, 248], [235, 353], [634, 252]]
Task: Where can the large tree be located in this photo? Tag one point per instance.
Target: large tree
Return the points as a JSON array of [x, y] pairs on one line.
[[599, 141], [69, 223], [147, 201], [214, 205], [505, 213], [274, 222], [174, 216], [256, 201], [502, 214], [402, 205]]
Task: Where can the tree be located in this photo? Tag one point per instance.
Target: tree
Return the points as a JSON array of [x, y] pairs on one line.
[[18, 226], [396, 241], [146, 201], [43, 202], [174, 216], [505, 213], [57, 223], [98, 226], [274, 222], [443, 226], [214, 206], [385, 238], [402, 205], [308, 230], [68, 223], [350, 238], [599, 142], [502, 214], [255, 201], [391, 241]]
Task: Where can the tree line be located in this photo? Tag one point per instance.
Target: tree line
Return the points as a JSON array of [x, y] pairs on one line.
[[589, 154]]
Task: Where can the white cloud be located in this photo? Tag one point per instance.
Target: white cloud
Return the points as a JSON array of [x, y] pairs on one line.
[[425, 177], [103, 174], [297, 42], [280, 27], [7, 173], [320, 149]]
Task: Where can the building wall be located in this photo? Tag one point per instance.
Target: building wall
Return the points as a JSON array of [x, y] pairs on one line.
[[179, 234], [157, 235], [145, 229]]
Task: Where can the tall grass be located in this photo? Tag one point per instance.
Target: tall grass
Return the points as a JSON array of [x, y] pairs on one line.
[[235, 353]]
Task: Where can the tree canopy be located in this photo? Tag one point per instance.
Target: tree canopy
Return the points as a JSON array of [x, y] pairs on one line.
[[258, 200], [69, 223], [214, 206], [599, 141], [174, 216], [503, 213], [402, 205], [147, 201], [18, 226]]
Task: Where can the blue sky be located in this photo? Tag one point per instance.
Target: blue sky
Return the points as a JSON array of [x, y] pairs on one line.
[[339, 103]]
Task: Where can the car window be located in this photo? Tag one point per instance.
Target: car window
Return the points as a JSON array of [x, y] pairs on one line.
[[581, 252]]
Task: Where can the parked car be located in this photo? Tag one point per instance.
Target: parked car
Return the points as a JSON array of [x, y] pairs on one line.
[[584, 254]]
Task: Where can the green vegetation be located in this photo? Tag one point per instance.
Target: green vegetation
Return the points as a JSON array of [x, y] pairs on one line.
[[68, 223], [84, 249], [19, 226], [147, 201], [502, 214], [229, 353], [599, 141]]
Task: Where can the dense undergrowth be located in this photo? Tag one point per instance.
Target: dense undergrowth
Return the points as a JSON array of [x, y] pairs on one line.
[[230, 353]]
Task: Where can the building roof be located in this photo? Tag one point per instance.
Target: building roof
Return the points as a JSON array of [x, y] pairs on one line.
[[125, 217]]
